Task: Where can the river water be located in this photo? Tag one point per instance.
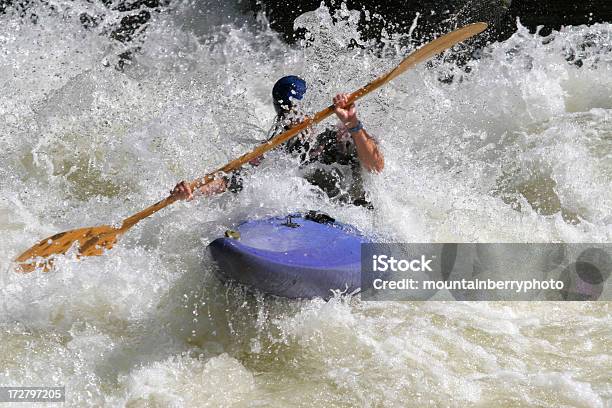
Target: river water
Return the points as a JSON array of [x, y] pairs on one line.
[[518, 149]]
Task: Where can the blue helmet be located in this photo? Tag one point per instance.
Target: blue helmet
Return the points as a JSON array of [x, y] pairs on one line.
[[285, 89]]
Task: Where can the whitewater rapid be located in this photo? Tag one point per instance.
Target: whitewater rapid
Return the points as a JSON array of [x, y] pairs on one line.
[[517, 148]]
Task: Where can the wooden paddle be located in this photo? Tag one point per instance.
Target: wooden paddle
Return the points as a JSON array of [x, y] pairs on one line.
[[94, 240]]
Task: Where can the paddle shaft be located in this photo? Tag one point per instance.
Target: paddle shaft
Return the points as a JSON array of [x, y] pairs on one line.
[[92, 241]]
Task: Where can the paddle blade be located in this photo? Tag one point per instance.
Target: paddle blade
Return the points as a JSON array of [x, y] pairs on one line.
[[90, 242], [437, 46]]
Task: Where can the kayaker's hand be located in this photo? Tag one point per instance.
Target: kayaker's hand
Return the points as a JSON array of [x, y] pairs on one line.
[[256, 161], [214, 187], [347, 113], [182, 191]]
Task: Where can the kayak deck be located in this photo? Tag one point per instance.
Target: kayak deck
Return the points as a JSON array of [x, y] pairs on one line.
[[292, 257]]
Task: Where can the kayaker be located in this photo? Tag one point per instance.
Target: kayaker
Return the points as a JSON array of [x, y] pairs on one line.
[[331, 161]]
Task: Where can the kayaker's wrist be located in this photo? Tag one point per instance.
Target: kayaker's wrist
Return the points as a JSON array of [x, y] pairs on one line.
[[355, 128], [352, 122]]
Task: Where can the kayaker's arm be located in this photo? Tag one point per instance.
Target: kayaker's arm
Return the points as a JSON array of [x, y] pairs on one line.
[[368, 152]]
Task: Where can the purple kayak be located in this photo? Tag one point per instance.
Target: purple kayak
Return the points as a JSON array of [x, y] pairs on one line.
[[299, 256]]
